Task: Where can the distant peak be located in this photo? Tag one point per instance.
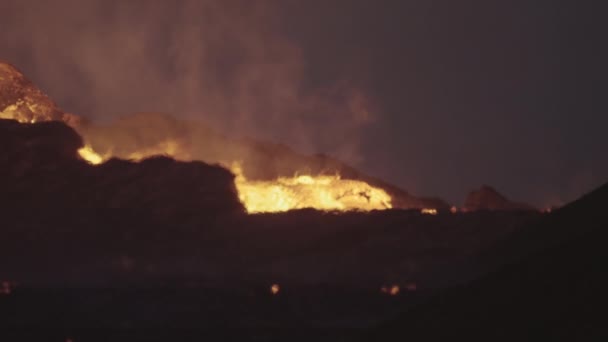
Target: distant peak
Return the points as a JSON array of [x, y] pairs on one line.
[[488, 198]]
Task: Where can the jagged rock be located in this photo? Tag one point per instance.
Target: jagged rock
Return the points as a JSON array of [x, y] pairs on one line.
[[22, 101]]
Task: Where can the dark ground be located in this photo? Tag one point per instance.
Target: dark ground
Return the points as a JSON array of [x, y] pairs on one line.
[[162, 250], [556, 293]]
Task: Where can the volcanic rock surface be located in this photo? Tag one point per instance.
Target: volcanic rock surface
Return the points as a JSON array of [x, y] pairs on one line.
[[19, 98]]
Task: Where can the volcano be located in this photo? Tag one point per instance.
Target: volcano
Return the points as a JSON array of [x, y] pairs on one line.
[[271, 177], [154, 240]]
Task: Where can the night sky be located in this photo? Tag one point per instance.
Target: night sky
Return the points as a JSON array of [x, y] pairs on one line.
[[437, 97]]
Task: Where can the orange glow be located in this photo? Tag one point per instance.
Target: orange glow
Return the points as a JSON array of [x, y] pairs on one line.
[[321, 192], [392, 290], [453, 210], [305, 191], [87, 153], [429, 211], [28, 111], [166, 148], [15, 112], [284, 193], [274, 289]]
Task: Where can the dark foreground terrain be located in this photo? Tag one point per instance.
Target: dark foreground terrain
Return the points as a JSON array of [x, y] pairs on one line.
[[556, 293], [162, 251]]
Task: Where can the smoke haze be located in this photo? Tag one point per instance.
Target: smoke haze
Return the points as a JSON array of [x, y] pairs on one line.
[[437, 97], [225, 63]]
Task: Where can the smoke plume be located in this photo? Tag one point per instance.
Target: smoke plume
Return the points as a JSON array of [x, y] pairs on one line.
[[225, 63]]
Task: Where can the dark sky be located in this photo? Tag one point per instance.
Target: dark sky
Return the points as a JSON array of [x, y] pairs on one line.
[[437, 97]]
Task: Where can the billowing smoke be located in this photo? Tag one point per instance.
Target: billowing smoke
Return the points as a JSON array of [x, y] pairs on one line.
[[225, 63]]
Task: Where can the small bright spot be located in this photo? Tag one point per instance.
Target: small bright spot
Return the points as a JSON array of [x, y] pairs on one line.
[[390, 290], [429, 211], [453, 210], [394, 290], [275, 288]]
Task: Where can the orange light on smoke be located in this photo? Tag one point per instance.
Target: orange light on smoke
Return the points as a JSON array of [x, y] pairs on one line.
[[321, 192]]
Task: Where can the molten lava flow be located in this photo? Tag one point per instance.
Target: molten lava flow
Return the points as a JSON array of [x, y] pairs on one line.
[[14, 112], [305, 191], [87, 153], [167, 148], [322, 192], [284, 193], [29, 111]]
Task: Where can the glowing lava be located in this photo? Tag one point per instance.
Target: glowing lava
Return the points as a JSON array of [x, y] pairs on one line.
[[330, 193], [429, 211], [321, 192], [87, 153]]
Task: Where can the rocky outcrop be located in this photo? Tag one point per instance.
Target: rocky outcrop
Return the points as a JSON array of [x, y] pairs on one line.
[[40, 169], [23, 101]]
